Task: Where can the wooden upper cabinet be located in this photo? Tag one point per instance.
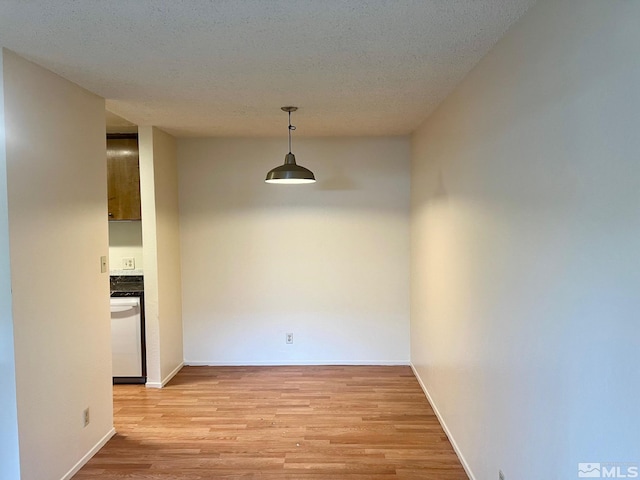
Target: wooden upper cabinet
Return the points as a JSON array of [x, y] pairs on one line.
[[123, 177]]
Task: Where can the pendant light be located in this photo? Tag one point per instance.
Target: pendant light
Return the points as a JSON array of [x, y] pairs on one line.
[[290, 172]]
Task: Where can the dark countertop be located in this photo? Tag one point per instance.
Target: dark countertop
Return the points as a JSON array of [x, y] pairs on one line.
[[133, 293], [126, 285]]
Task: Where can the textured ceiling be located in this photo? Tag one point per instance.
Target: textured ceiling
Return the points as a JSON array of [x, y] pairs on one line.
[[225, 67]]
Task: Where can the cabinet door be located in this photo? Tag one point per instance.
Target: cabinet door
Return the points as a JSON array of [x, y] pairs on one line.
[[123, 178]]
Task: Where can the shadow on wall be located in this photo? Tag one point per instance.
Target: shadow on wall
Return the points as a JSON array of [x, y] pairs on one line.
[[125, 234], [227, 175], [338, 180], [441, 190]]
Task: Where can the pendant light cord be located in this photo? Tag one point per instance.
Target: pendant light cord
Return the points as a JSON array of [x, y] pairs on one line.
[[291, 127]]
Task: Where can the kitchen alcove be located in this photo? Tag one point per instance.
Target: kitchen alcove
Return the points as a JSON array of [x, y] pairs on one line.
[[150, 236]]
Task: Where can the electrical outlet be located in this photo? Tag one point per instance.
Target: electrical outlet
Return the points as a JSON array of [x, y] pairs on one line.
[[128, 263], [500, 475], [103, 264], [289, 338], [86, 418]]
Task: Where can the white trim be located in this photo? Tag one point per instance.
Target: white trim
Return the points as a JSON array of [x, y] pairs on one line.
[[456, 449], [126, 273], [89, 454], [291, 363], [166, 380]]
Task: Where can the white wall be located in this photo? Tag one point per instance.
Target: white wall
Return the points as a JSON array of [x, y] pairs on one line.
[[56, 172], [526, 246], [161, 251], [328, 262], [125, 240], [9, 447]]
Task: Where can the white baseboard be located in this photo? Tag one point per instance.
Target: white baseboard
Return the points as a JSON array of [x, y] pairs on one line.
[[289, 364], [89, 454], [166, 379], [463, 461]]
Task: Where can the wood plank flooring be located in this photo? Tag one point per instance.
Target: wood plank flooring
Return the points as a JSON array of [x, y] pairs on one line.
[[310, 422]]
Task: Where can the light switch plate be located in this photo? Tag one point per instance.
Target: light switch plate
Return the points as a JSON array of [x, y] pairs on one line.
[[103, 264], [128, 263]]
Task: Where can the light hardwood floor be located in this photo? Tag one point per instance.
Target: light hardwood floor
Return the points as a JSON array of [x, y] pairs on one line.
[[346, 422]]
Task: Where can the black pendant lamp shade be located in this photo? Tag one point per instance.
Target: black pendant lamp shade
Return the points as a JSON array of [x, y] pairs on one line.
[[290, 172]]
